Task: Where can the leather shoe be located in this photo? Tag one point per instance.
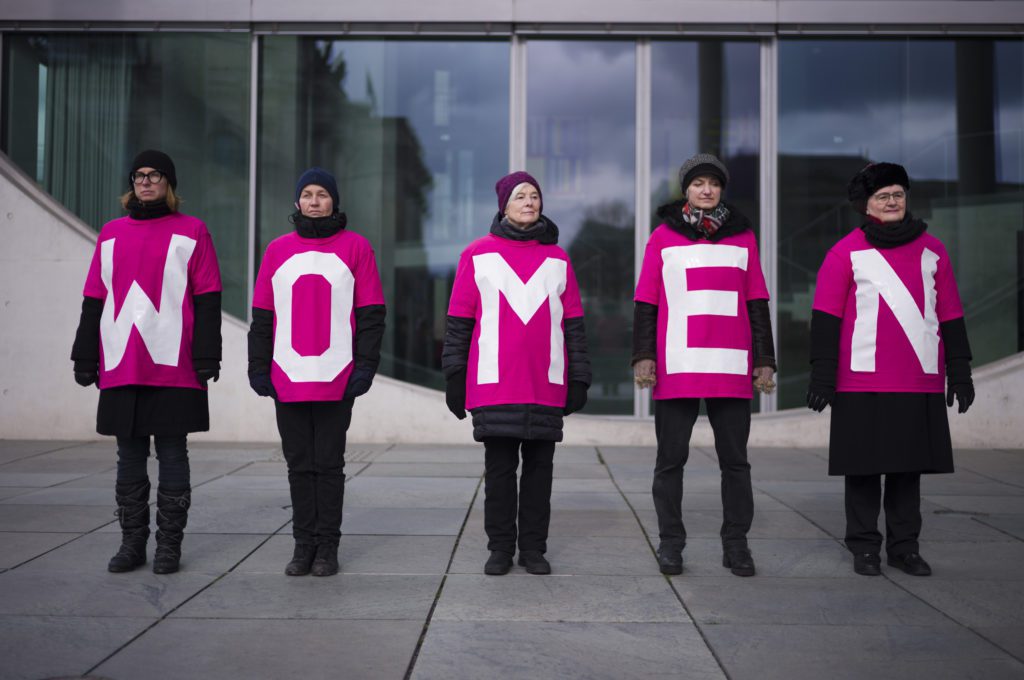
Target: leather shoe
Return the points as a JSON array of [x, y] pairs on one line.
[[670, 561], [498, 564], [867, 564], [326, 562], [534, 562], [739, 561], [910, 563], [302, 560]]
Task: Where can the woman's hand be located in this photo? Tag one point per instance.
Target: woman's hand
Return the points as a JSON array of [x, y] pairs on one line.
[[645, 373], [763, 379]]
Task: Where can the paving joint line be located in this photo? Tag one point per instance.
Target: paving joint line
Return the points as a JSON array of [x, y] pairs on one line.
[[440, 587], [671, 585]]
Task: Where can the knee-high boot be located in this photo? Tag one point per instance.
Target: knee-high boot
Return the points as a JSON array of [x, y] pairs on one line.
[[171, 517], [133, 516]]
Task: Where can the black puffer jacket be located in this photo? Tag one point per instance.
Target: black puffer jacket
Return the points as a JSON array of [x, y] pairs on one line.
[[522, 421]]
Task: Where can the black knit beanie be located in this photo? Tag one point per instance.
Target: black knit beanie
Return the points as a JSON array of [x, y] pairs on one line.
[[158, 160], [870, 179]]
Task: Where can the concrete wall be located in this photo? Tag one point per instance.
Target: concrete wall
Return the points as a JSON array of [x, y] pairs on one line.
[[45, 255]]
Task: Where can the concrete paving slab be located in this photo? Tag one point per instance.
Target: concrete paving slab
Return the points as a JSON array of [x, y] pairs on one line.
[[591, 470], [972, 603], [410, 492], [707, 523], [363, 555], [274, 469], [370, 650], [693, 500], [377, 469], [20, 546], [13, 449], [247, 482], [57, 518], [1012, 525], [585, 500], [570, 555], [344, 596], [60, 495], [95, 593], [460, 650], [598, 485], [201, 553], [37, 479], [761, 652], [780, 558], [12, 491], [1008, 638], [961, 561], [526, 597], [804, 601], [34, 647], [979, 505], [56, 463], [403, 521], [254, 513], [407, 453]]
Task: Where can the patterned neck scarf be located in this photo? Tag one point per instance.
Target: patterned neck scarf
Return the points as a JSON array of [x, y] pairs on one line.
[[706, 222]]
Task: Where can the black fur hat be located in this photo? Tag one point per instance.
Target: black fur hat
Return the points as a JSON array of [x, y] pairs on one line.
[[873, 177]]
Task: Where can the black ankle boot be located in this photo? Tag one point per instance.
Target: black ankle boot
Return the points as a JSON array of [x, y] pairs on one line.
[[326, 561], [133, 516], [302, 559], [171, 518]]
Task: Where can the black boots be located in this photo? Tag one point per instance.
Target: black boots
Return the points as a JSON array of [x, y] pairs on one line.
[[910, 563], [670, 560], [302, 560], [534, 562], [171, 518], [867, 564], [326, 561], [739, 561], [133, 516], [498, 564]]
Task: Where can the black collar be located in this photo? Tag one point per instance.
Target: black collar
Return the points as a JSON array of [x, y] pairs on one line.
[[138, 210], [318, 227], [672, 214], [543, 230], [890, 235]]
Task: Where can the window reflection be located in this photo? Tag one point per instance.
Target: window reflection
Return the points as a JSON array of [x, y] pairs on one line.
[[951, 112], [580, 143], [416, 133]]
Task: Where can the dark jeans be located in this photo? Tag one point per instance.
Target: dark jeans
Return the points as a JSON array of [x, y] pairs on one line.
[[313, 439], [902, 501], [171, 454], [533, 501], [673, 424]]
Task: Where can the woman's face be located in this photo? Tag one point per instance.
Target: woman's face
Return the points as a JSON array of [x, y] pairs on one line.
[[147, 190], [704, 192], [888, 204], [314, 201], [523, 207]]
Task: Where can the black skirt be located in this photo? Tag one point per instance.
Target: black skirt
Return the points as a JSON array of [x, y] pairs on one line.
[[137, 411], [889, 432]]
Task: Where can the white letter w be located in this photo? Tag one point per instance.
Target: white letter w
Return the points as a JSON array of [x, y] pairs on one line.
[[494, 278], [160, 330]]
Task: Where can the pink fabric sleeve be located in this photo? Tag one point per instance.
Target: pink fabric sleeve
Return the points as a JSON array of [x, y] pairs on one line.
[[368, 286], [834, 280], [263, 292], [947, 303], [572, 306], [93, 281], [464, 295], [648, 286], [756, 287], [204, 270]]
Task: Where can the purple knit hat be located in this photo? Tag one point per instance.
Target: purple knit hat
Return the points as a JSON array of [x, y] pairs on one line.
[[507, 183]]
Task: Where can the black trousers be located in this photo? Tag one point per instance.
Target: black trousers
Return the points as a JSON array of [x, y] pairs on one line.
[[313, 439], [532, 503], [673, 424], [902, 502], [171, 453]]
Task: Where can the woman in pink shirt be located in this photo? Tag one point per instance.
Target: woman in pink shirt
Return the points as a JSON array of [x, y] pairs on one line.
[[887, 340], [314, 346], [702, 330], [149, 338], [515, 355]]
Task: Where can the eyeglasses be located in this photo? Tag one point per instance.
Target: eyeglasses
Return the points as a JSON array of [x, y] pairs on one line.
[[897, 196], [154, 177]]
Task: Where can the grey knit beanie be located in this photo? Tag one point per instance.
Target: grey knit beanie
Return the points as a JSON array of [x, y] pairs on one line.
[[702, 164]]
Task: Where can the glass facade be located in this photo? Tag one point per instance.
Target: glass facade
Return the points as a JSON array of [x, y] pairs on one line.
[[417, 131], [951, 112], [77, 108]]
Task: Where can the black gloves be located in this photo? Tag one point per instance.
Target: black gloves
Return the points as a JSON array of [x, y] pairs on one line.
[[577, 397], [88, 377], [960, 385], [262, 385], [455, 394], [822, 389], [358, 383], [825, 330], [205, 375]]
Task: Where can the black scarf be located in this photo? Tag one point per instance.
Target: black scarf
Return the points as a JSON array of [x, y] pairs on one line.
[[318, 227], [733, 221], [890, 235], [138, 210], [543, 230]]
